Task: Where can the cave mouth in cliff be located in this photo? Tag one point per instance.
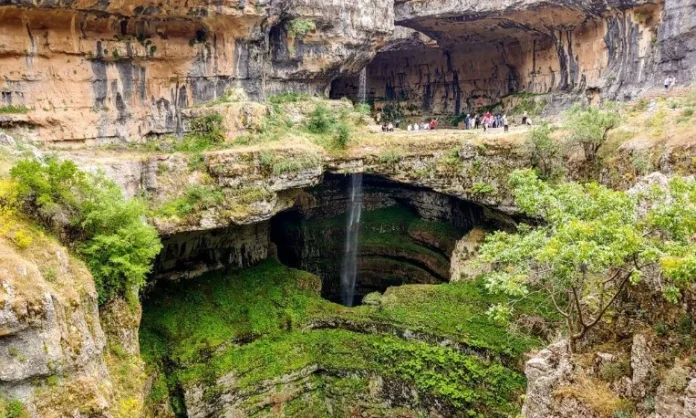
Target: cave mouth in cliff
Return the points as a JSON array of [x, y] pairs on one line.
[[407, 234]]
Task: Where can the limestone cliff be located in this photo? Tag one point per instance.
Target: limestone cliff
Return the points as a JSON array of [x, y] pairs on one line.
[[115, 71], [483, 53], [51, 340]]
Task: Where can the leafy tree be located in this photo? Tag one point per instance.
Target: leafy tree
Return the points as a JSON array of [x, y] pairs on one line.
[[91, 214], [589, 127], [544, 151], [593, 243]]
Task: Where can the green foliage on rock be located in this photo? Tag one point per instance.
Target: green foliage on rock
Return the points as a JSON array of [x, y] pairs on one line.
[[13, 109], [195, 198], [207, 129], [544, 151], [12, 409], [589, 127], [593, 243], [90, 213], [301, 26]]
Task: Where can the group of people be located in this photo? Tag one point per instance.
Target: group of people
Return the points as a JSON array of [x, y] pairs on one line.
[[485, 121], [425, 126]]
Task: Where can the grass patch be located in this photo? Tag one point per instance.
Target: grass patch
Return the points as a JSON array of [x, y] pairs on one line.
[[10, 109], [195, 199]]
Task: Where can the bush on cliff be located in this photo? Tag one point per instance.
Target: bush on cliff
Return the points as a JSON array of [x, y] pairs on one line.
[[593, 244], [589, 127], [90, 213]]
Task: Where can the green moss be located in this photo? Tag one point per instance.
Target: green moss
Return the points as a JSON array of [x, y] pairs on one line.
[[253, 323], [13, 109]]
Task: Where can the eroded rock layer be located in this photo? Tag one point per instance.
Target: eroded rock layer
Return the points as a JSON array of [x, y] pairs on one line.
[[115, 71], [478, 54]]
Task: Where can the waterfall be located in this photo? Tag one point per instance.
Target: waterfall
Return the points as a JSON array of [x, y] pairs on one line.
[[362, 93], [349, 268]]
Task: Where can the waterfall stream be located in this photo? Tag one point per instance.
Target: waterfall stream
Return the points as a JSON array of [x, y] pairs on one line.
[[362, 92], [349, 268]]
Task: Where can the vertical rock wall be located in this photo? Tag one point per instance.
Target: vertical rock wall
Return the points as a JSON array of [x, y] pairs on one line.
[[114, 71]]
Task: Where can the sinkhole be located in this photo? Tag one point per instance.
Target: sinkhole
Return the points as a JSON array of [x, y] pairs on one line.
[[406, 234]]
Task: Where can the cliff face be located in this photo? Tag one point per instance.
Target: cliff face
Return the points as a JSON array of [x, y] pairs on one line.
[[482, 53], [51, 339], [114, 71]]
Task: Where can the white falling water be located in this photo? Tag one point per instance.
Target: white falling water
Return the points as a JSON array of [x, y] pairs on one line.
[[362, 92], [349, 268]]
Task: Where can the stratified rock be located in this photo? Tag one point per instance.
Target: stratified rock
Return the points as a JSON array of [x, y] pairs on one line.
[[124, 71], [51, 340]]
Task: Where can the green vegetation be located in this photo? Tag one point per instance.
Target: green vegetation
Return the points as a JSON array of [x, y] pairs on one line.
[[363, 108], [13, 109], [90, 213], [300, 27], [278, 165], [545, 153], [196, 331], [482, 189], [391, 156], [533, 107], [195, 199], [12, 409], [589, 127], [208, 129], [323, 121], [592, 246], [283, 98]]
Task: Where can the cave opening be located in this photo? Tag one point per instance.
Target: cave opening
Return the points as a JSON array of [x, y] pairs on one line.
[[407, 234], [449, 61]]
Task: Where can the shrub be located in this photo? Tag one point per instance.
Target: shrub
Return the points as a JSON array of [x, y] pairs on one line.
[[390, 156], [482, 189], [544, 151], [22, 239], [288, 98], [208, 127], [687, 113], [589, 127], [342, 135], [300, 27], [90, 213], [8, 205], [321, 120]]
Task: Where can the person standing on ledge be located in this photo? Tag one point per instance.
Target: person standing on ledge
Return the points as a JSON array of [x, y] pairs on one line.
[[505, 123]]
